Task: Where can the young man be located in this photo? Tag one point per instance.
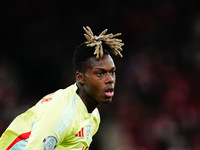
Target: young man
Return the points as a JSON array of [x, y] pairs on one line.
[[68, 118]]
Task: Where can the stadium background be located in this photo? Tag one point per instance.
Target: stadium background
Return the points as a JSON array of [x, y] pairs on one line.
[[156, 104]]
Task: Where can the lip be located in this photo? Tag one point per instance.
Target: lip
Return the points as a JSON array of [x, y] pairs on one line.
[[109, 92]]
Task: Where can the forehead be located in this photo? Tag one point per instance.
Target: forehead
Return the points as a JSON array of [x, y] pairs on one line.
[[106, 62]]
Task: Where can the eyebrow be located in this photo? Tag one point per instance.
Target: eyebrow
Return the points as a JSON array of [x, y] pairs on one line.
[[102, 69]]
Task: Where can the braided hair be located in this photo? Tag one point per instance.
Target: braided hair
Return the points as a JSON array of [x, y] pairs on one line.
[[96, 45]]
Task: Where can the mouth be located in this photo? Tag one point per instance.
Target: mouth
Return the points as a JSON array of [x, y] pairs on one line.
[[109, 92]]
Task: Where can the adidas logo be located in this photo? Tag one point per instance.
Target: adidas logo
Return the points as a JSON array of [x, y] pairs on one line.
[[80, 133]]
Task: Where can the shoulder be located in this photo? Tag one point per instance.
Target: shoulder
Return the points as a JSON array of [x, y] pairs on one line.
[[66, 93], [57, 100], [96, 114], [59, 95]]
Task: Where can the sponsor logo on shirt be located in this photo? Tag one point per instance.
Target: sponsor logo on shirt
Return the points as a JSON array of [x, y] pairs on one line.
[[80, 133]]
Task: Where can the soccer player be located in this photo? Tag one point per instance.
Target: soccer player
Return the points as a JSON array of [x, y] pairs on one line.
[[68, 118]]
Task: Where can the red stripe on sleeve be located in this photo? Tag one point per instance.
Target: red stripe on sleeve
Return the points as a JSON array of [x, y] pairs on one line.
[[21, 137]]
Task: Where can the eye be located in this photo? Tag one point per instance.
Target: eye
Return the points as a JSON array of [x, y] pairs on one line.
[[99, 74], [112, 73]]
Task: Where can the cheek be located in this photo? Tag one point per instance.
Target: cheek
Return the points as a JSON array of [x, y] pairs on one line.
[[93, 87]]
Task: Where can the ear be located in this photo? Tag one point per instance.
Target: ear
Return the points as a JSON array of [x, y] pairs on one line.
[[80, 77]]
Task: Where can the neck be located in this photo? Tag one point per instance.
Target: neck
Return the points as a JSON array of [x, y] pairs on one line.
[[89, 102]]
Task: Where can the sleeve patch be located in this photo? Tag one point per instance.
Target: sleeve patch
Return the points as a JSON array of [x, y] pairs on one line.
[[50, 143], [47, 98]]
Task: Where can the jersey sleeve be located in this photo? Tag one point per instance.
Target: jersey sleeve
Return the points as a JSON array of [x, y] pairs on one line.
[[43, 133]]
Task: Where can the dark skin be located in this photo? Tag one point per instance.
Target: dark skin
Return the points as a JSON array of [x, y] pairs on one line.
[[96, 81]]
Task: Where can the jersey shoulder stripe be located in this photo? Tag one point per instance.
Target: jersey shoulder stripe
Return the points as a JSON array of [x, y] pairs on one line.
[[68, 119], [69, 112]]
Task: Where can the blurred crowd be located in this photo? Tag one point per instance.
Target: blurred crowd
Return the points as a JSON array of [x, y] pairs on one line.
[[157, 102]]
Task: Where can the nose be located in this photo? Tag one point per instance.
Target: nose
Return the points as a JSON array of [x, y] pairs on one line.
[[110, 78]]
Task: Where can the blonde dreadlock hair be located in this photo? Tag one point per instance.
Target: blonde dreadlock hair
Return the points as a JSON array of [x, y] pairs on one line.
[[96, 45], [114, 44]]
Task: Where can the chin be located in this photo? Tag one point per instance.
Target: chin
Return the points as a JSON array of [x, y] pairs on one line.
[[107, 100]]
